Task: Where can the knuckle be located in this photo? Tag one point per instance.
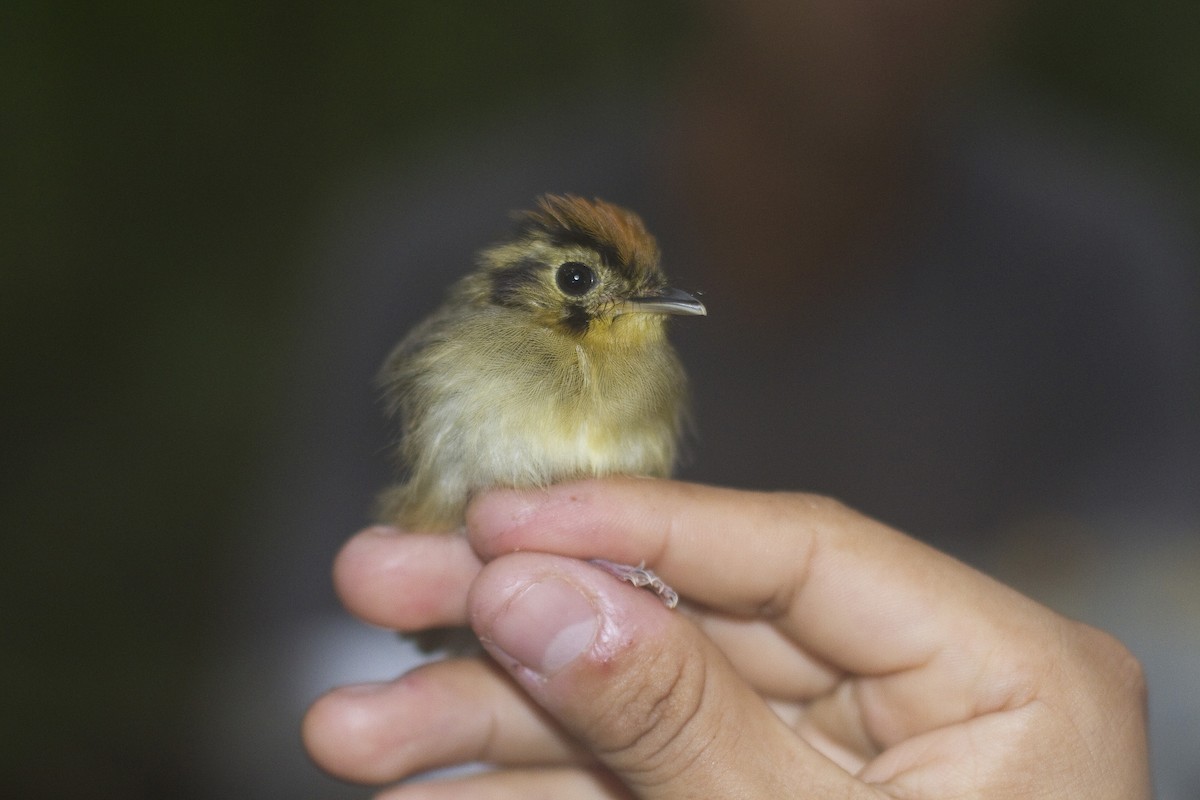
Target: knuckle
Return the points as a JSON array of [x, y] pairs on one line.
[[659, 722], [1106, 664], [1121, 664], [817, 506]]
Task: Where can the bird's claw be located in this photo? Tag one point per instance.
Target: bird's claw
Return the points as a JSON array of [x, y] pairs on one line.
[[640, 577]]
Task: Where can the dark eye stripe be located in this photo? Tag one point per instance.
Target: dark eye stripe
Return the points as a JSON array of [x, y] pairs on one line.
[[508, 284]]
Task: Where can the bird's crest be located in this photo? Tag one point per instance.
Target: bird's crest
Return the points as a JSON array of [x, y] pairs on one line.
[[618, 235]]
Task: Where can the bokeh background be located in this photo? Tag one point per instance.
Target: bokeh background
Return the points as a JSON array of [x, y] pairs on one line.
[[170, 177]]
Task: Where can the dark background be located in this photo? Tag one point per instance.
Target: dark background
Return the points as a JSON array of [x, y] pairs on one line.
[[167, 173]]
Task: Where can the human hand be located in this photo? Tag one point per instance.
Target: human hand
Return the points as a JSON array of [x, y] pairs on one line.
[[821, 654]]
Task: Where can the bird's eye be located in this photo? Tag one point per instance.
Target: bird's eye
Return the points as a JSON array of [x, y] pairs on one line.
[[575, 279]]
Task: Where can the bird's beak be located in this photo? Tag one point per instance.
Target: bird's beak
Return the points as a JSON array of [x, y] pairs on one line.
[[665, 301]]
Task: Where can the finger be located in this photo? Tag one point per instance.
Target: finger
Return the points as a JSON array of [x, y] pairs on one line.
[[440, 715], [850, 590], [577, 784], [739, 552], [405, 581], [708, 557], [638, 685]]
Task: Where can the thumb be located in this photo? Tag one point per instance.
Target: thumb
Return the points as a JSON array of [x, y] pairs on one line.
[[637, 685]]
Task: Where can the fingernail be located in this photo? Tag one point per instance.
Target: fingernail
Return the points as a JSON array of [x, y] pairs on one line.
[[546, 626]]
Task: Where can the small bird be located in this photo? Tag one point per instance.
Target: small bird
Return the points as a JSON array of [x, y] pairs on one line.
[[548, 362]]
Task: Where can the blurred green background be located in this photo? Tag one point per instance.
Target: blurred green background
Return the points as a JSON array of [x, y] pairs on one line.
[[165, 171]]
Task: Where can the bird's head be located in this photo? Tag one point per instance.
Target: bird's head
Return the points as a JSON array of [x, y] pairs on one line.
[[585, 267]]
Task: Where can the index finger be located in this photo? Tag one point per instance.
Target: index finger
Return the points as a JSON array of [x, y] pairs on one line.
[[851, 590]]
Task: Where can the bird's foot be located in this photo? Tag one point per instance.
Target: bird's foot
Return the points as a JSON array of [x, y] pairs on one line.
[[640, 577]]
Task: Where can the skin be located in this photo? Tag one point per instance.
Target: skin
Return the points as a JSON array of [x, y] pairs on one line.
[[825, 655]]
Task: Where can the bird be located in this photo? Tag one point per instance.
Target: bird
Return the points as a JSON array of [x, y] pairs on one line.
[[548, 362]]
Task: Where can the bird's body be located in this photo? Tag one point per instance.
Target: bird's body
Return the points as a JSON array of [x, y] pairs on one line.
[[549, 362]]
